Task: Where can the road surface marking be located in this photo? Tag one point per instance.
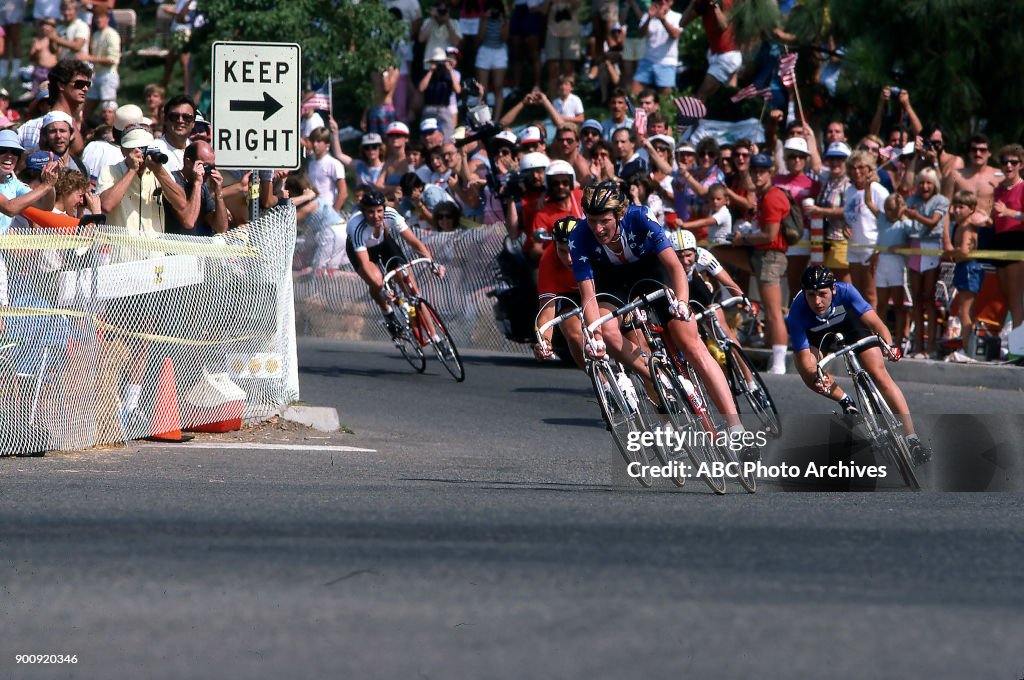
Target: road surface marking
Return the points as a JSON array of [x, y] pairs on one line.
[[274, 447]]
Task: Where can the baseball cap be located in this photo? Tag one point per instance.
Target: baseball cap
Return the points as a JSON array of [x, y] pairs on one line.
[[760, 160], [9, 140], [58, 117], [429, 125], [371, 139], [452, 51], [110, 105], [796, 144], [837, 150], [438, 54], [592, 124], [136, 139], [4, 93], [529, 135], [397, 128], [506, 136], [686, 148], [129, 114], [664, 139], [38, 160]]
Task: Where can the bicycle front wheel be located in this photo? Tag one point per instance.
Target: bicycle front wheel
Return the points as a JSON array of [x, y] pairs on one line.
[[622, 416], [759, 398], [889, 437], [442, 342], [406, 341], [699, 430]]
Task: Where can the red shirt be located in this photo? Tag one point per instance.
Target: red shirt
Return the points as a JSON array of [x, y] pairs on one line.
[[1014, 200], [771, 209], [546, 217], [553, 277], [719, 42]]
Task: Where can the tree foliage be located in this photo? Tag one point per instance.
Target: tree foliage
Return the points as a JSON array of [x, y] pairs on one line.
[[960, 59], [341, 40]]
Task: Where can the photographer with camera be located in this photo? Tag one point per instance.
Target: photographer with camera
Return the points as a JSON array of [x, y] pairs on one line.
[[439, 32], [204, 213], [437, 86], [905, 117], [130, 190]]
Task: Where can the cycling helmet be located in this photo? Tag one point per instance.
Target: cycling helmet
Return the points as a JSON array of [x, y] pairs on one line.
[[681, 239], [560, 168], [372, 198], [533, 161], [561, 228], [817, 277], [603, 197]]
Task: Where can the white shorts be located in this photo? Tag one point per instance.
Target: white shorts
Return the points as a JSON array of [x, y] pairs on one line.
[[891, 272], [723, 66], [858, 254], [104, 87], [634, 48], [492, 58]]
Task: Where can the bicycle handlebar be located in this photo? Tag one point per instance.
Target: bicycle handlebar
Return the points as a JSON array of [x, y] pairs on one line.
[[401, 268], [626, 309], [728, 302], [557, 321], [870, 341]]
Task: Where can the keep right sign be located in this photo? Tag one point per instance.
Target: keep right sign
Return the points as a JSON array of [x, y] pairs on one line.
[[256, 96]]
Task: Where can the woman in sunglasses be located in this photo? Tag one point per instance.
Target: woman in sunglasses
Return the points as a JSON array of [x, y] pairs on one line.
[[1008, 224], [695, 184]]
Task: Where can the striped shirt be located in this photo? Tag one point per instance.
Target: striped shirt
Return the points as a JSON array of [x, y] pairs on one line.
[[361, 235]]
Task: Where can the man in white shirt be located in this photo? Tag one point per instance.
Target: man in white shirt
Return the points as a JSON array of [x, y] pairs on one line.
[[661, 29], [71, 36], [179, 118]]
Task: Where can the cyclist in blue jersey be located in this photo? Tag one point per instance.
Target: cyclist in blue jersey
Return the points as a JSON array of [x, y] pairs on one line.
[[614, 248], [370, 243], [825, 306]]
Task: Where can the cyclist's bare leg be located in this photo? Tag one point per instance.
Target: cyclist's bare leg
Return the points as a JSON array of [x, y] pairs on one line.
[[623, 349], [573, 331], [687, 339], [874, 364], [376, 290], [408, 283]]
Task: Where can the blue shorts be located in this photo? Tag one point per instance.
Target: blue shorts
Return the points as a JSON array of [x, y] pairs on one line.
[[658, 75], [968, 275]]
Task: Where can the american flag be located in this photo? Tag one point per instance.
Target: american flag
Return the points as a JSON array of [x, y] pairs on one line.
[[320, 101], [751, 91], [690, 108], [787, 70]]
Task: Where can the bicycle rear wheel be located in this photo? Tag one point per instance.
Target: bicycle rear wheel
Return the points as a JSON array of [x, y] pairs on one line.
[[760, 401], [891, 440], [671, 398], [444, 346], [406, 341], [700, 431], [622, 416]]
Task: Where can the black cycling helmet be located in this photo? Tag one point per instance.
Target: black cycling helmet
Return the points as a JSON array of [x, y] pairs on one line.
[[817, 277], [561, 228], [372, 198], [603, 197]]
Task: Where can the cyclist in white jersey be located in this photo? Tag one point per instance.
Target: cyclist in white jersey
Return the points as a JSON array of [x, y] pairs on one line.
[[371, 233]]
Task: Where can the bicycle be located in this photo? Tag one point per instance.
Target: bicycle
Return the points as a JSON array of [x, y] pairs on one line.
[[621, 397], [682, 394], [884, 427], [420, 325], [739, 370]]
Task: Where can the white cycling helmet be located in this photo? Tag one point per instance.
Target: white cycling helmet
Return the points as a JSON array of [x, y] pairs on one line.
[[560, 168], [533, 161], [681, 239]]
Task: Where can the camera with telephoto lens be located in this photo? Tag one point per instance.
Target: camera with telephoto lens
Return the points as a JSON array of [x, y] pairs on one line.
[[894, 91], [155, 154], [514, 189], [209, 167], [563, 14]]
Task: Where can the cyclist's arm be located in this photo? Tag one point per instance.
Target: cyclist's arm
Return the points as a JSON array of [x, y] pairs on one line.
[[728, 283], [805, 362], [591, 311], [415, 243], [874, 322], [676, 274], [547, 313]]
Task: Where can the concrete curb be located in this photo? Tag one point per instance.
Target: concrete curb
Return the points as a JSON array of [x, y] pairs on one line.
[[322, 418], [926, 371]]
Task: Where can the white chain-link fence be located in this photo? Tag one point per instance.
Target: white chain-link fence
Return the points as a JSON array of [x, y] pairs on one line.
[[106, 335]]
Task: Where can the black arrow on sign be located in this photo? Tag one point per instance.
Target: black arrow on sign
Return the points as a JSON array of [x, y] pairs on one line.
[[269, 106]]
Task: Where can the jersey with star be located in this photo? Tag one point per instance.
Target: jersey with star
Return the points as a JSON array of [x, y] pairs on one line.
[[640, 236]]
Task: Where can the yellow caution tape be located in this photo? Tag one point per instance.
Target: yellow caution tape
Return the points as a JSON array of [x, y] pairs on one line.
[[975, 254], [138, 243]]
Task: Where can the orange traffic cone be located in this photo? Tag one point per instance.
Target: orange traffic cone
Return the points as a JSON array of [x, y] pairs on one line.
[[50, 220], [166, 425]]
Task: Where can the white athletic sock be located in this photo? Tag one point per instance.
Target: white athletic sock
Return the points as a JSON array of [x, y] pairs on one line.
[[737, 429], [131, 397], [779, 354], [753, 386]]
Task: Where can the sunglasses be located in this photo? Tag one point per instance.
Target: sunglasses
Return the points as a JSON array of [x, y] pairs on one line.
[[371, 147], [176, 117], [979, 149], [3, 151], [1010, 161], [81, 84], [742, 155], [560, 182], [567, 140], [529, 148], [504, 151], [592, 132], [795, 157], [661, 149], [708, 154]]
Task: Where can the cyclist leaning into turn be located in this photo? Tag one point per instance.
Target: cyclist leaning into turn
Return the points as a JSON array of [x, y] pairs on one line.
[[617, 246], [371, 233], [825, 306]]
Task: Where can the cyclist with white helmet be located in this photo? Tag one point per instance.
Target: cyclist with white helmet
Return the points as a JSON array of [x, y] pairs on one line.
[[555, 285], [617, 246], [825, 306], [523, 195], [371, 233]]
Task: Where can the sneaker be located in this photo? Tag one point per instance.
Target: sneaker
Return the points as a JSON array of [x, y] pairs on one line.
[[777, 368], [919, 452], [851, 410], [918, 355], [959, 357], [762, 399], [391, 323]]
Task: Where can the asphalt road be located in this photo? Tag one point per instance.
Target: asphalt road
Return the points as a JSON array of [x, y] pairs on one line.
[[488, 534]]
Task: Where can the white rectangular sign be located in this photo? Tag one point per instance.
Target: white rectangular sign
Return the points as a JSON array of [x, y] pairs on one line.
[[256, 97]]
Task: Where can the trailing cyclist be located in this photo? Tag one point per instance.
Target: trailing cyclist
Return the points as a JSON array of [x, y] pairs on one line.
[[371, 233], [555, 284], [617, 246], [825, 306]]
